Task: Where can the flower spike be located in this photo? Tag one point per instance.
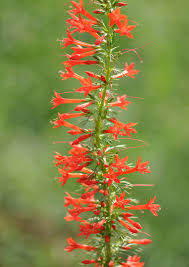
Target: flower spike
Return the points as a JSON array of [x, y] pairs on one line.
[[102, 205]]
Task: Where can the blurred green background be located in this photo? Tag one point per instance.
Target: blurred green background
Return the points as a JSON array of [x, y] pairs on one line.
[[32, 226]]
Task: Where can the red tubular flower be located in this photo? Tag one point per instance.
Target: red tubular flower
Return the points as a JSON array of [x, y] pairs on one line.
[[58, 100], [139, 241], [66, 116], [91, 74], [82, 55], [124, 29], [69, 74], [122, 23], [71, 63], [83, 107], [80, 10], [72, 162], [127, 216], [142, 167], [149, 206], [91, 228], [65, 175], [73, 245], [70, 40], [119, 126], [121, 102], [81, 138], [133, 261], [80, 50], [100, 40], [61, 122], [82, 25], [112, 176], [121, 201], [69, 200], [128, 71], [119, 164], [87, 87], [130, 228], [116, 17]]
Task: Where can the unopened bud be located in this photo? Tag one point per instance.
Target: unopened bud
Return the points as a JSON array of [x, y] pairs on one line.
[[121, 4], [98, 11]]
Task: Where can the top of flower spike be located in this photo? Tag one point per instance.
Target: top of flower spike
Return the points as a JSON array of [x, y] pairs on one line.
[[122, 23], [80, 10]]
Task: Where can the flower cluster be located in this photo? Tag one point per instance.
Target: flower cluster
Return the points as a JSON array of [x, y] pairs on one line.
[[105, 212]]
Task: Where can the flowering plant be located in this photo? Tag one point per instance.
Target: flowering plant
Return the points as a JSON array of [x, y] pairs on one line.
[[109, 226]]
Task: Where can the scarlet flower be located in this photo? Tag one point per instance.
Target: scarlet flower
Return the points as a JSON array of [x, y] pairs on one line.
[[72, 63], [139, 167], [78, 150], [87, 87], [139, 241], [81, 138], [80, 10], [112, 176], [79, 156], [121, 201], [76, 202], [132, 261], [149, 206], [127, 216], [58, 100], [69, 74], [90, 195], [119, 164], [100, 40], [70, 218], [128, 71], [124, 29], [65, 116], [78, 210], [70, 40], [83, 107], [73, 245], [82, 55], [65, 175], [91, 74], [74, 132], [119, 126], [80, 50], [116, 17], [82, 25], [91, 228], [121, 102], [61, 122], [72, 162], [130, 228]]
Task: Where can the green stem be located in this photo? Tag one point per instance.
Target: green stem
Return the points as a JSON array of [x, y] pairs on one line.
[[102, 113]]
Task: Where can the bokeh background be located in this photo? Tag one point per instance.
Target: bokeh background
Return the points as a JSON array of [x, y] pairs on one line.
[[32, 228]]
